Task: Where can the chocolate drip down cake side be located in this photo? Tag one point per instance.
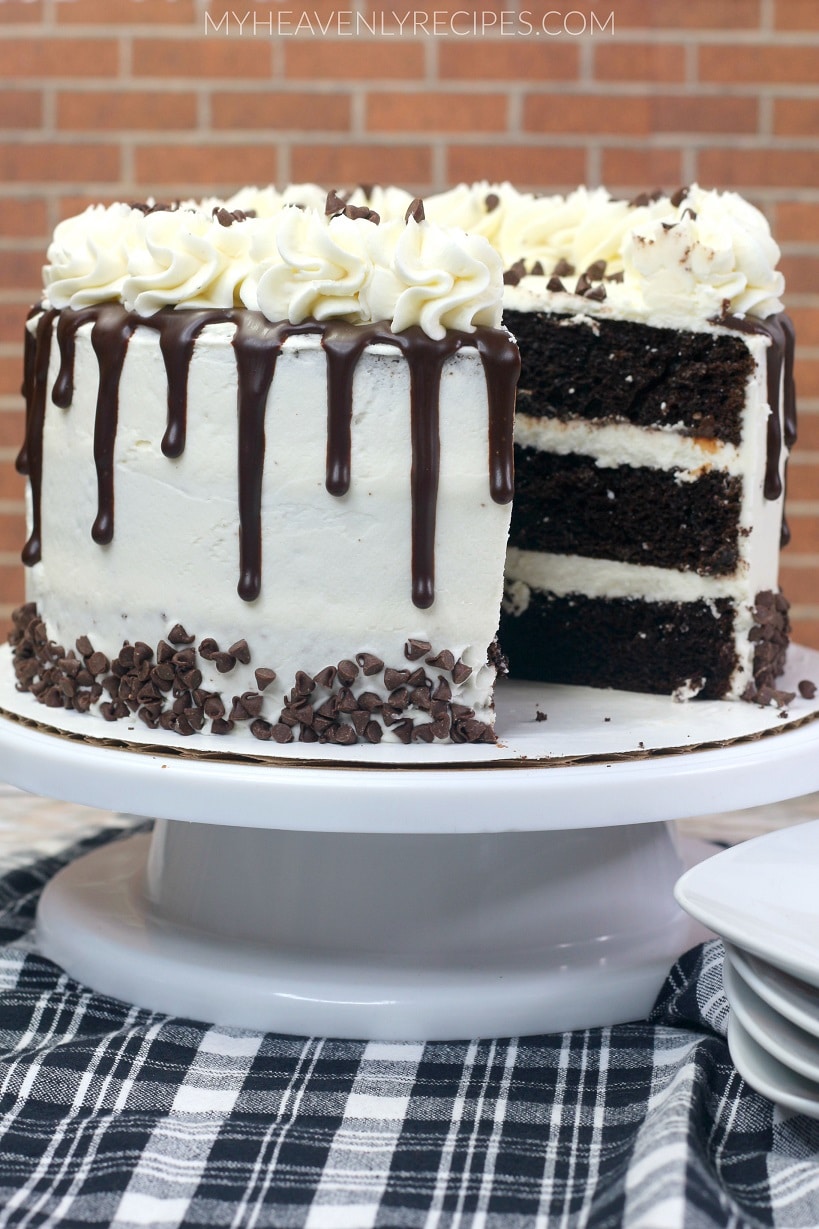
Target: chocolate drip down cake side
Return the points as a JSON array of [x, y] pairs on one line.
[[269, 443]]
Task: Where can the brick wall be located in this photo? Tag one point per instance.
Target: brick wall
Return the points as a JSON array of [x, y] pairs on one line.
[[104, 99]]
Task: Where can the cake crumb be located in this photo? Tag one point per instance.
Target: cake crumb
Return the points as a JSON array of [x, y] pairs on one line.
[[607, 718], [539, 716]]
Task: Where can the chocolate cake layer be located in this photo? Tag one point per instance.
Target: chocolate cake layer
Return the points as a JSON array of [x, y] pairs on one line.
[[601, 369], [568, 505], [632, 645]]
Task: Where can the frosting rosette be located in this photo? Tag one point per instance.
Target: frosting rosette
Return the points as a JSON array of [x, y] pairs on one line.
[[437, 277], [709, 256], [88, 256], [317, 267], [186, 259]]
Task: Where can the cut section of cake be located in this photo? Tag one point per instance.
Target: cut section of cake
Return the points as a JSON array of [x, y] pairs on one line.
[[270, 474], [656, 410]]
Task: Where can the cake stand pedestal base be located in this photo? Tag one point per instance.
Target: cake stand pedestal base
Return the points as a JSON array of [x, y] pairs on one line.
[[388, 936]]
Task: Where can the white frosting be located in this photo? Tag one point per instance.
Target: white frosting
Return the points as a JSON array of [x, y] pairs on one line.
[[88, 256], [681, 265], [336, 572]]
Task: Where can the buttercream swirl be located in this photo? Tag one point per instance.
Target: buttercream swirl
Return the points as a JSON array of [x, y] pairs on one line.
[[89, 254]]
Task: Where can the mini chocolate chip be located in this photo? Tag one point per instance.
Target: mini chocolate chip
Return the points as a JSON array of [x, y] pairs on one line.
[[414, 649], [491, 202], [461, 711], [164, 652], [142, 652], [420, 698], [563, 268], [395, 678], [214, 707], [82, 701], [597, 293], [460, 672], [306, 735], [281, 733], [370, 664], [583, 284], [415, 210], [403, 730], [418, 678], [347, 703], [373, 733], [347, 671], [241, 652], [596, 270], [537, 269], [360, 720], [163, 673], [445, 660], [185, 659], [334, 203], [223, 662], [370, 701], [807, 689], [443, 691], [178, 635], [252, 702], [208, 648], [97, 663], [261, 729], [555, 285], [513, 275], [238, 711], [322, 725], [219, 725], [399, 698], [356, 212], [191, 679], [329, 708], [304, 683], [423, 733], [264, 677], [326, 677], [679, 196], [84, 646]]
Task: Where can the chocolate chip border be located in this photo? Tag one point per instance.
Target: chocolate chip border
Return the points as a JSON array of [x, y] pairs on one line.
[[163, 687]]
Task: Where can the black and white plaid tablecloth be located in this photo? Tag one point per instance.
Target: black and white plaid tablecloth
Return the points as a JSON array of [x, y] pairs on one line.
[[114, 1116]]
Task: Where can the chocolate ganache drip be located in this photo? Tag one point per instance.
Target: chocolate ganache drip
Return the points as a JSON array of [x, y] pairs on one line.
[[779, 376], [257, 344]]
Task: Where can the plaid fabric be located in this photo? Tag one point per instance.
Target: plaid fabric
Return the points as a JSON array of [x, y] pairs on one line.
[[114, 1116]]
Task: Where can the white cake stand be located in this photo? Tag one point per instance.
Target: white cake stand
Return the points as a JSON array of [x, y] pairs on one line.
[[528, 891]]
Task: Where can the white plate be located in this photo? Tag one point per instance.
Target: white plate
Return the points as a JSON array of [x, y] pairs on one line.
[[792, 998], [767, 1075], [791, 1045], [762, 895]]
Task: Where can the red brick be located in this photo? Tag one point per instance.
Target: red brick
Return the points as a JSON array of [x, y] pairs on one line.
[[12, 585], [507, 59], [808, 431], [800, 585], [797, 220], [803, 480], [71, 163], [409, 165], [796, 15], [131, 12], [22, 12], [797, 117], [637, 114], [353, 59], [258, 18], [21, 108], [642, 169], [12, 322], [20, 269], [804, 535], [454, 17], [23, 217], [527, 166], [806, 323], [12, 429], [663, 63], [92, 110], [57, 57], [806, 373], [12, 536], [308, 112], [12, 484], [758, 65], [755, 168], [805, 631], [692, 15], [67, 206], [587, 114], [11, 374], [436, 112], [201, 58], [801, 273], [223, 166]]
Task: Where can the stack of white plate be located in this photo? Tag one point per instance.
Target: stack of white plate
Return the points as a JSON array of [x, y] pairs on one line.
[[762, 897]]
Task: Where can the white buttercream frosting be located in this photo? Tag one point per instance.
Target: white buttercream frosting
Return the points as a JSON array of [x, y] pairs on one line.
[[88, 256]]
